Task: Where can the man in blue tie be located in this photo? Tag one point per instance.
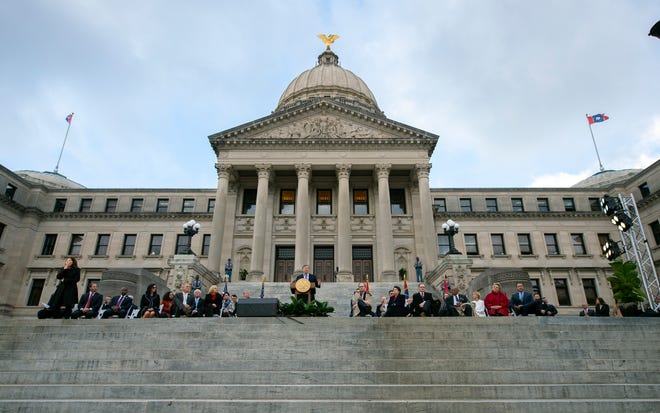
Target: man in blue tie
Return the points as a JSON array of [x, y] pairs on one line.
[[521, 301], [313, 281]]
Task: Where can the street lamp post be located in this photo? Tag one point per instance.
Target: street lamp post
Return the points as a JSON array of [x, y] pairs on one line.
[[451, 228], [190, 228]]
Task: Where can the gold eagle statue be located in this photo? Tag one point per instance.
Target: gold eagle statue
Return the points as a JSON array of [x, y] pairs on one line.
[[328, 40]]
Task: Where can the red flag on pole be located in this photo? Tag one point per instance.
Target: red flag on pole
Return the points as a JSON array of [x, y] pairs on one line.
[[367, 286]]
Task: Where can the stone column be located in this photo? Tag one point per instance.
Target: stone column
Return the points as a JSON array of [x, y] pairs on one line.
[[385, 239], [219, 216], [430, 252], [259, 231], [302, 217], [344, 242]]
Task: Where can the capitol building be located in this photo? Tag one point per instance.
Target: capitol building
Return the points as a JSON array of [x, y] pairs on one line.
[[328, 180]]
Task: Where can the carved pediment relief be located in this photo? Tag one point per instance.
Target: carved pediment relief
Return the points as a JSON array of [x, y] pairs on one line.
[[322, 126]]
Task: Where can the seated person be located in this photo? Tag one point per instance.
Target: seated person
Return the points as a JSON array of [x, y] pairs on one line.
[[479, 306], [497, 303], [166, 305], [422, 302], [586, 311], [521, 301], [228, 307], [119, 305], [361, 302], [198, 308], [150, 302], [551, 310], [538, 307], [397, 307], [213, 302], [183, 302], [458, 304], [89, 304], [381, 308]]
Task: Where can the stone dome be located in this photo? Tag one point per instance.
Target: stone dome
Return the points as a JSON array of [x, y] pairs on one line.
[[49, 179], [328, 80], [607, 178]]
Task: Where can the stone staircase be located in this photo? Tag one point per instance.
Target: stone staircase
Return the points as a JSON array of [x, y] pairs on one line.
[[466, 365]]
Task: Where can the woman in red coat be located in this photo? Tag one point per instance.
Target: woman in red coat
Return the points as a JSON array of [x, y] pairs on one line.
[[497, 303]]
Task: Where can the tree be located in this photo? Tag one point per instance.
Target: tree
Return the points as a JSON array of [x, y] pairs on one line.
[[626, 285]]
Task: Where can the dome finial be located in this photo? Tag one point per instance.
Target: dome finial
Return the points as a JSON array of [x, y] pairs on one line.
[[328, 40]]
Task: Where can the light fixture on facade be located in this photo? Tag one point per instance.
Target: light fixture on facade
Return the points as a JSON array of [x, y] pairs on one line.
[[190, 228], [451, 228]]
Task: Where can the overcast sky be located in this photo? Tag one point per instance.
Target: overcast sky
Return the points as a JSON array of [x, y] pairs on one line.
[[505, 84]]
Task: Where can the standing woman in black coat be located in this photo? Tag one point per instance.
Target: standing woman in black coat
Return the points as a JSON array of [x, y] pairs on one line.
[[66, 292], [602, 309]]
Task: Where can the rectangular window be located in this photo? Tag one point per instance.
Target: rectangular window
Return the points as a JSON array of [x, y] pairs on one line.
[[594, 204], [111, 205], [128, 247], [155, 244], [48, 246], [471, 245], [498, 244], [645, 190], [210, 206], [440, 204], [517, 205], [188, 205], [536, 286], [76, 244], [324, 202], [10, 191], [161, 205], [569, 204], [465, 204], [578, 244], [525, 244], [102, 242], [398, 201], [561, 287], [544, 205], [287, 202], [590, 292], [360, 202], [491, 204], [136, 204], [36, 290], [551, 244], [443, 244], [655, 230], [206, 244], [181, 244], [60, 204], [85, 205], [249, 201]]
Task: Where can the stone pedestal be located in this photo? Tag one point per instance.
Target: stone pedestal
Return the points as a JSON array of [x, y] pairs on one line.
[[344, 277], [184, 268], [458, 272]]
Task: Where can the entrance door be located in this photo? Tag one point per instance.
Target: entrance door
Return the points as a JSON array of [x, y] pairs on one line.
[[284, 261], [362, 264], [324, 263]]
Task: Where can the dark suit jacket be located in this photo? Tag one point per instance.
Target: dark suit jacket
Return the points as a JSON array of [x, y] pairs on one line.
[[209, 304], [95, 305], [451, 307], [199, 308], [590, 313], [602, 310], [178, 301], [314, 284], [526, 302], [397, 306], [126, 303], [417, 300]]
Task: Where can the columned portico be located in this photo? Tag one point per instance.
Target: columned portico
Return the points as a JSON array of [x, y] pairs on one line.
[[344, 258], [384, 237], [259, 234], [302, 256], [430, 253], [219, 216]]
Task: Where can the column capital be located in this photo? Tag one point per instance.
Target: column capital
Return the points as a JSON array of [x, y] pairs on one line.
[[303, 170], [423, 170], [263, 170], [343, 170], [224, 170], [383, 170]]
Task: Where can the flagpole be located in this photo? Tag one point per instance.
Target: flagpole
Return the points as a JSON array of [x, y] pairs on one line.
[[595, 147], [57, 166]]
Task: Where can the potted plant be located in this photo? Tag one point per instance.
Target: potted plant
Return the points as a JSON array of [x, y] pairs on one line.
[[300, 308], [243, 274], [626, 287], [402, 273]]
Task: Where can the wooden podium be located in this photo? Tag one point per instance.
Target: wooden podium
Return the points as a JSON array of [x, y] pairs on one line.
[[302, 288]]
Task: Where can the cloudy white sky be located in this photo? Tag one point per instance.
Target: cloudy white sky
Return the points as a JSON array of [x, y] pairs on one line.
[[505, 84]]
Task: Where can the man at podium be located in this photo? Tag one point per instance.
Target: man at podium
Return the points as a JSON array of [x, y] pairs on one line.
[[305, 290]]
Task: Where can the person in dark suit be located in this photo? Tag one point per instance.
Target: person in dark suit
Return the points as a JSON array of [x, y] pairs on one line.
[[213, 301], [65, 296], [397, 305], [198, 308], [586, 312], [458, 304], [183, 301], [521, 301], [422, 302], [602, 309], [89, 304], [315, 283], [119, 305]]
